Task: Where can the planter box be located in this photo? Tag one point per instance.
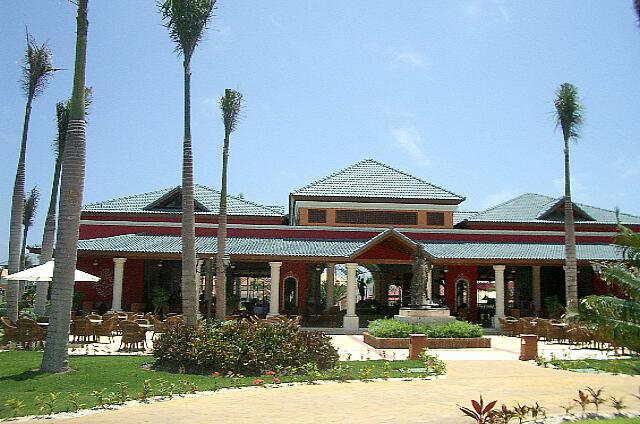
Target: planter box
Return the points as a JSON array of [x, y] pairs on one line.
[[385, 343], [402, 343]]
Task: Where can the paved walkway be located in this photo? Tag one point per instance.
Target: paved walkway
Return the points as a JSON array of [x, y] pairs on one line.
[[432, 401]]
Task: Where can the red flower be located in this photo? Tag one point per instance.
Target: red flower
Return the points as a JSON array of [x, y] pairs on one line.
[[270, 373], [276, 380], [257, 382], [229, 373], [216, 374]]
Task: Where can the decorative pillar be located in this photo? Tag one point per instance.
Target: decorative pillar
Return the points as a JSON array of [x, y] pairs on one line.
[[499, 277], [42, 289], [118, 274], [351, 320], [535, 287], [329, 285], [429, 271], [274, 300]]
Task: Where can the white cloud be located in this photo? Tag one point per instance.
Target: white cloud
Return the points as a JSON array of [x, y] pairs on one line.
[[409, 57], [408, 139]]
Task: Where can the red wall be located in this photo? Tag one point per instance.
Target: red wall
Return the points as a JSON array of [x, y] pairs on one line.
[[455, 273], [132, 285]]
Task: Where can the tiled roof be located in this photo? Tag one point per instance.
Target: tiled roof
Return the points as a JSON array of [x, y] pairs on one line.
[[530, 207], [459, 216], [133, 243], [521, 251], [371, 179], [206, 196]]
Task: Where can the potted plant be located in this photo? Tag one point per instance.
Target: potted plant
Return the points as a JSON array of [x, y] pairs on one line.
[[161, 300]]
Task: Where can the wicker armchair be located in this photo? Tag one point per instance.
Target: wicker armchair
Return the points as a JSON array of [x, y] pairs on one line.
[[106, 328], [10, 330], [132, 336], [29, 333], [83, 330], [524, 326], [158, 327], [173, 321], [580, 336], [507, 327]]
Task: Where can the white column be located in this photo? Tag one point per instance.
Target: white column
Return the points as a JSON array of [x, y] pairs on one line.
[[329, 285], [535, 287], [429, 270], [351, 320], [42, 288], [499, 277], [118, 274], [274, 301], [199, 263]]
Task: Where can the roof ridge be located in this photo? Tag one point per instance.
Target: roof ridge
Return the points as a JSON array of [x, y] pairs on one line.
[[131, 196], [416, 178], [330, 176], [271, 208], [508, 201], [606, 210]]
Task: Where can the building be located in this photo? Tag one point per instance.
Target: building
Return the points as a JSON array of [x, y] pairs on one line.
[[505, 259]]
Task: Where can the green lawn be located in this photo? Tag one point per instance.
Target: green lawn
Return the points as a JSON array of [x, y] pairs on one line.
[[619, 366], [634, 420], [21, 380]]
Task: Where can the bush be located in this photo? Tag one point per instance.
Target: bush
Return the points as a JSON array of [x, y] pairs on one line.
[[242, 348], [390, 328]]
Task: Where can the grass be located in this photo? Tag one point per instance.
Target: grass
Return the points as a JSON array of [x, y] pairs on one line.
[[21, 380], [619, 420], [616, 366]]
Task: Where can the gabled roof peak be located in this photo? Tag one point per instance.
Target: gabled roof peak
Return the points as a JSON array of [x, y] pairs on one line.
[[375, 180]]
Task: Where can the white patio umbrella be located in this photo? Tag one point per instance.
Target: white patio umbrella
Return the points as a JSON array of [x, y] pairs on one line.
[[44, 272]]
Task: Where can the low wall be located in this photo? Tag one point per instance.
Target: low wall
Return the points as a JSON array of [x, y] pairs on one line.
[[402, 343]]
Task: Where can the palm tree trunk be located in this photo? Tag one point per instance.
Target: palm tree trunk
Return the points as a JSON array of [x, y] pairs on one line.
[[221, 274], [189, 286], [17, 209], [571, 269], [23, 250], [55, 358], [48, 236]]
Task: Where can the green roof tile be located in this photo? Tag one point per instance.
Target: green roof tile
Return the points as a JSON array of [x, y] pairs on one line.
[[206, 196], [371, 179], [530, 207]]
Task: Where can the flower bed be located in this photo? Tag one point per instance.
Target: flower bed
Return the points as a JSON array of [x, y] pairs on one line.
[[392, 334]]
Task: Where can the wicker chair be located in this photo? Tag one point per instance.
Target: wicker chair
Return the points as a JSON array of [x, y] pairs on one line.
[[132, 336], [580, 336], [525, 326], [106, 328], [83, 330], [29, 333], [10, 330], [173, 321], [158, 327], [507, 327]]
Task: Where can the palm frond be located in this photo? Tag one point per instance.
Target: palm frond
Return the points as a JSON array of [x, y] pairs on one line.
[[629, 243], [37, 68], [612, 308], [568, 111], [186, 20], [30, 206], [62, 119], [627, 279], [231, 106]]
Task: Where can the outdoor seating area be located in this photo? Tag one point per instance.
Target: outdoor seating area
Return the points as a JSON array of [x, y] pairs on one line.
[[560, 332]]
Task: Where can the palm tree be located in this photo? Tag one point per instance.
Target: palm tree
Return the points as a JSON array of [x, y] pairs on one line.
[[569, 118], [28, 218], [186, 21], [62, 118], [55, 358], [230, 104], [620, 318], [636, 4], [36, 71]]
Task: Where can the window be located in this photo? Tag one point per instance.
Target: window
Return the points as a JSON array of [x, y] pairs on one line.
[[376, 217], [317, 216], [435, 218]]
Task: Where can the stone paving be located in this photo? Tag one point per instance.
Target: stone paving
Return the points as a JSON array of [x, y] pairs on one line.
[[421, 401]]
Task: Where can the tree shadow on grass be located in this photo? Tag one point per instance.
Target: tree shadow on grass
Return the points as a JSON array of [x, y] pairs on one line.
[[23, 376]]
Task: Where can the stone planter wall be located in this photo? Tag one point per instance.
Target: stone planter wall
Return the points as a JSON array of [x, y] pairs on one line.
[[468, 343]]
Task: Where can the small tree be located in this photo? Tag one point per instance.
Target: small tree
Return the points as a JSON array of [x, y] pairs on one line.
[[230, 105]]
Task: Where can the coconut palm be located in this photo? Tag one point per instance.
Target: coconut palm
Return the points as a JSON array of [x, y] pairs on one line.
[[36, 71], [230, 104], [568, 119], [186, 21], [28, 218], [55, 358], [62, 118], [620, 318]]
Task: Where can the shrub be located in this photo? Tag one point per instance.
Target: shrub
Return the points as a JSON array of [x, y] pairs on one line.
[[455, 329], [242, 348], [390, 328]]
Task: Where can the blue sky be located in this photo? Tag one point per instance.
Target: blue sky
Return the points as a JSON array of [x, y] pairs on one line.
[[459, 93]]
